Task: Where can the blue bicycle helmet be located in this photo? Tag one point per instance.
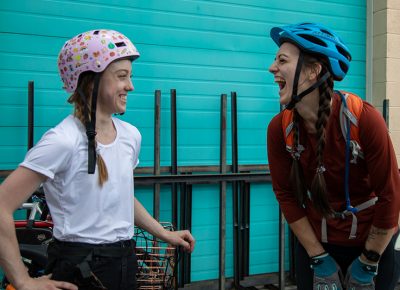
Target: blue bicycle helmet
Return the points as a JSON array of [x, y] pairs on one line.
[[316, 39]]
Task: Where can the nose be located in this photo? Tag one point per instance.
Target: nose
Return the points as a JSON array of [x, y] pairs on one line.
[[129, 85], [273, 67]]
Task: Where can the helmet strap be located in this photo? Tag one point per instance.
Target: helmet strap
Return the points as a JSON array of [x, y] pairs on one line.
[[295, 97], [90, 124]]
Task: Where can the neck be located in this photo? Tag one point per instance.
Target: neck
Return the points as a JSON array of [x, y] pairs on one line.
[[103, 123], [307, 108]]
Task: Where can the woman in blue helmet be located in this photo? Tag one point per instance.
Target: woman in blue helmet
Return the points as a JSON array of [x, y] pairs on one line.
[[340, 198]]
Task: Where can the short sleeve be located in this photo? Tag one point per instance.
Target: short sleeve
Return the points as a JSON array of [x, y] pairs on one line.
[[51, 155], [137, 144]]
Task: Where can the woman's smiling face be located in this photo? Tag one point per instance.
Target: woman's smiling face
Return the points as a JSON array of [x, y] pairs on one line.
[[283, 68], [114, 87]]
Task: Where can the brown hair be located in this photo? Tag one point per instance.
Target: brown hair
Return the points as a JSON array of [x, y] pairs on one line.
[[318, 187], [85, 85]]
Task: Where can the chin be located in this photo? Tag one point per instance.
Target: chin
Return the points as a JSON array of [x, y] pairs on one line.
[[284, 101], [121, 109]]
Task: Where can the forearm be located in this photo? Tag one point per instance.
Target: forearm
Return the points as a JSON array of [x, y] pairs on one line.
[[378, 239], [145, 221], [13, 192], [10, 258], [306, 236]]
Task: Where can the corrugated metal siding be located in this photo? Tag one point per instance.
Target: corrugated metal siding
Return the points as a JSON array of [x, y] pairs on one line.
[[202, 49]]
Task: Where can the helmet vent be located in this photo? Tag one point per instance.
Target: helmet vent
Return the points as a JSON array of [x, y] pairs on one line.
[[344, 67], [313, 39], [343, 52], [96, 32], [327, 32], [120, 44]]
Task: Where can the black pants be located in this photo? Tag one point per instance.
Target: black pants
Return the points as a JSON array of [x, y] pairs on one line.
[[111, 270], [388, 269]]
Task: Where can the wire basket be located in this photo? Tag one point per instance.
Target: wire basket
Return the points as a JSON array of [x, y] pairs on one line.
[[156, 260]]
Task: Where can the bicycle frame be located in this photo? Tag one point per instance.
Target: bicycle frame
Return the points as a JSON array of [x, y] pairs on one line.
[[33, 236]]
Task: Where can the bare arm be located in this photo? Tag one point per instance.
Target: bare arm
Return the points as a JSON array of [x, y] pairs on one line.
[[145, 221], [377, 240], [13, 192], [306, 236]]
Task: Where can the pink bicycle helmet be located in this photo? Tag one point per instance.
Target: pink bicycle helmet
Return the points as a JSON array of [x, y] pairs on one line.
[[92, 51]]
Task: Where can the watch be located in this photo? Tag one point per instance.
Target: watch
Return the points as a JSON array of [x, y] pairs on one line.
[[371, 255]]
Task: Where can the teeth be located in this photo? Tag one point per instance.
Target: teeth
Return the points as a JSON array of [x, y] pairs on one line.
[[281, 82]]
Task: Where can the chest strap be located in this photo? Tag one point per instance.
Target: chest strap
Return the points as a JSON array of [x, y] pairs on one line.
[[343, 215]]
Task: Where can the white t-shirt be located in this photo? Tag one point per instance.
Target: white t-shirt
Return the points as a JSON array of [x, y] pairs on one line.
[[82, 211]]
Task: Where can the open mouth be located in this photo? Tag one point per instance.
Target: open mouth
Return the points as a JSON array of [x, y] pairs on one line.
[[281, 83], [122, 97]]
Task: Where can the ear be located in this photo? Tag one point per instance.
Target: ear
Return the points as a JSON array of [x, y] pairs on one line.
[[315, 71]]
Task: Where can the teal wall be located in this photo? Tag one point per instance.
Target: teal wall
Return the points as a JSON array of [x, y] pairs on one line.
[[202, 49]]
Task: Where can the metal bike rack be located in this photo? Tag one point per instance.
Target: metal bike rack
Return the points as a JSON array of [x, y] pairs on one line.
[[182, 178]]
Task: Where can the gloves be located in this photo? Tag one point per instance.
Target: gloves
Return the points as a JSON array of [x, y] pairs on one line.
[[326, 273], [360, 276]]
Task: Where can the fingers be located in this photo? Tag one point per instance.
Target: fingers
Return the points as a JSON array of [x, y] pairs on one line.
[[187, 241], [65, 285], [43, 283], [58, 284]]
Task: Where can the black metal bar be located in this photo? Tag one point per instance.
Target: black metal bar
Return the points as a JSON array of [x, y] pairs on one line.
[[202, 178], [31, 94], [386, 111], [248, 283], [282, 278], [281, 283], [292, 256], [235, 204], [157, 126], [203, 168], [182, 262], [246, 239], [189, 189], [198, 178], [174, 167], [222, 194], [241, 230], [174, 159]]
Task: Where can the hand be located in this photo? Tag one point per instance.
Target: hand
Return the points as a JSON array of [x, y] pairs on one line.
[[326, 273], [44, 283], [360, 276], [181, 238]]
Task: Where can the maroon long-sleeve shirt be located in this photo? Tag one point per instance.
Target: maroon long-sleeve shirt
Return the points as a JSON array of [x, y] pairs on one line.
[[375, 175]]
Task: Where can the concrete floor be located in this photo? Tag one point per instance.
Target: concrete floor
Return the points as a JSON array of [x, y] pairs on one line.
[[293, 287]]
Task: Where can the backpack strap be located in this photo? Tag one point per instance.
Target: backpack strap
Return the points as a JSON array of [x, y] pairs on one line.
[[350, 110], [287, 127], [343, 215], [288, 133]]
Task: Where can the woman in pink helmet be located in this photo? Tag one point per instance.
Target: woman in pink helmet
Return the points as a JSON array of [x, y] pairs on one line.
[[93, 207]]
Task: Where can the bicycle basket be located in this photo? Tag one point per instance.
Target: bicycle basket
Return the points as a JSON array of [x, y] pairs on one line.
[[156, 260]]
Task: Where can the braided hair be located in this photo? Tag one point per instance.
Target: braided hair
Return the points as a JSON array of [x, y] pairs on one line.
[[85, 85], [318, 187]]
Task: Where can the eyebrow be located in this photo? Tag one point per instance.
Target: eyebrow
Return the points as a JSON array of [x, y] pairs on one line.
[[122, 70], [282, 54]]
